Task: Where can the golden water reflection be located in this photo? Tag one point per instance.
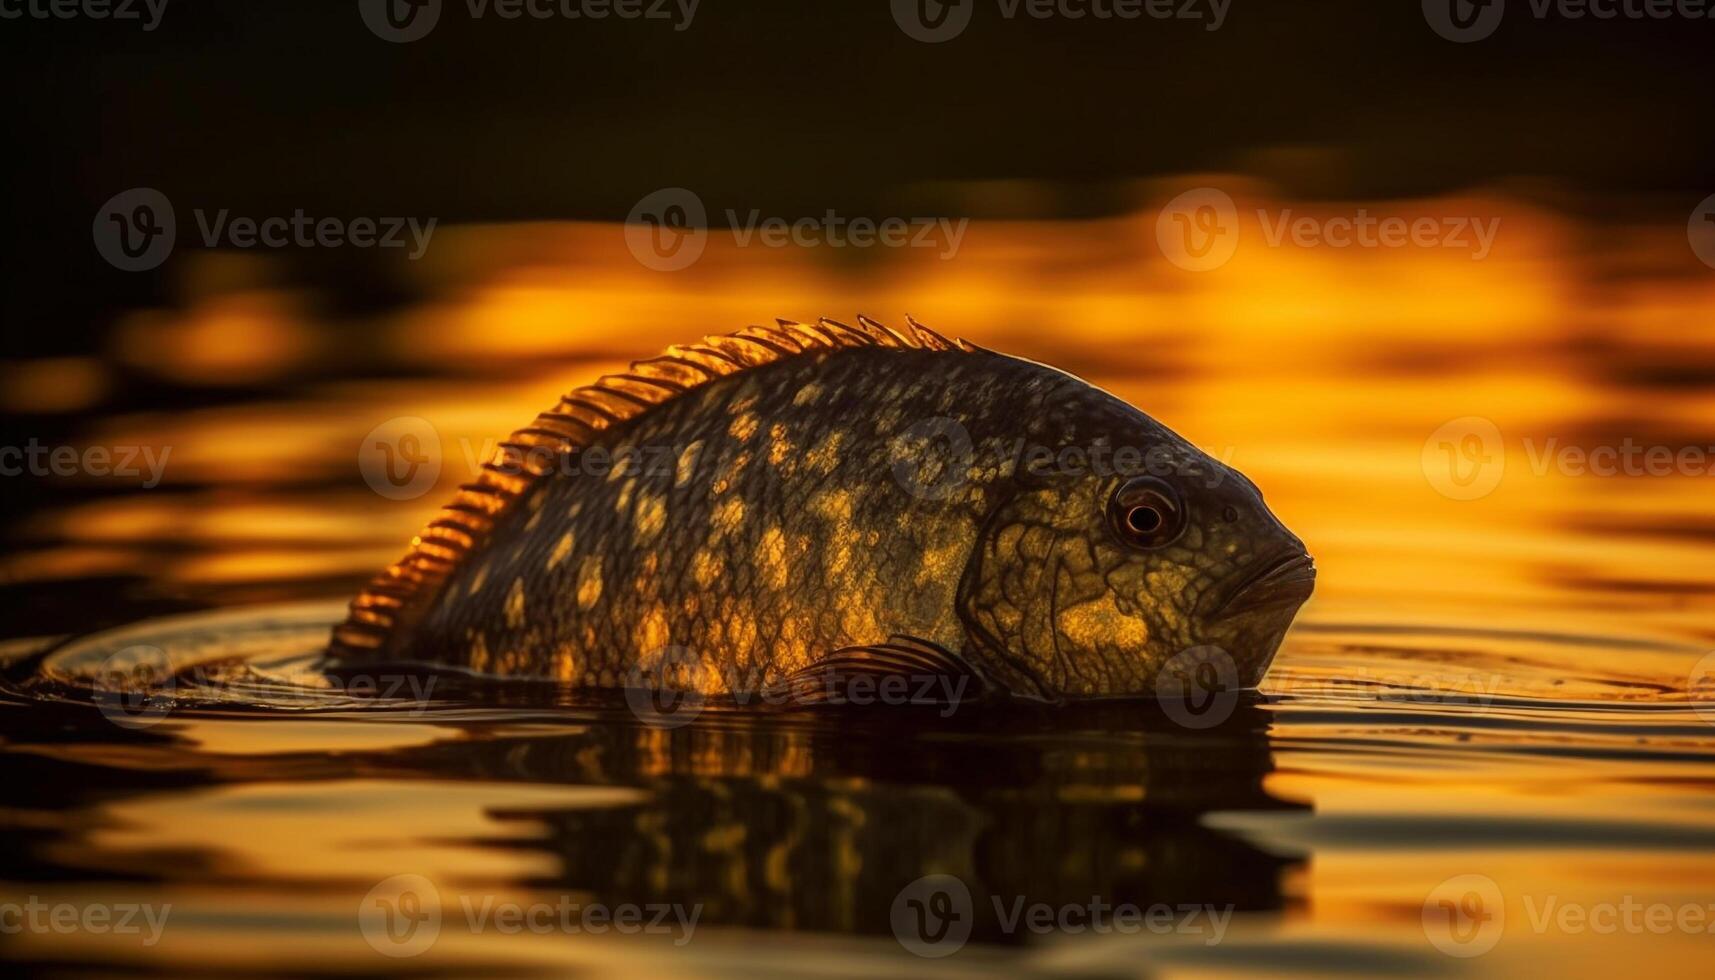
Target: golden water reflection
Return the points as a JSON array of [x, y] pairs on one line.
[[1501, 685]]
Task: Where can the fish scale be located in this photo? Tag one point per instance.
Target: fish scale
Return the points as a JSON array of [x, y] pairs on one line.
[[807, 503]]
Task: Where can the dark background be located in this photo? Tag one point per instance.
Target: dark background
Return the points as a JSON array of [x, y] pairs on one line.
[[794, 106]]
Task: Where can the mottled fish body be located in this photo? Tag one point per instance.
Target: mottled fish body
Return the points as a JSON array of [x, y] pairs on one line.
[[795, 505]]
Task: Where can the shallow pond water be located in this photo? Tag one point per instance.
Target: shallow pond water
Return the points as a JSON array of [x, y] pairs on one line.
[[1488, 745]]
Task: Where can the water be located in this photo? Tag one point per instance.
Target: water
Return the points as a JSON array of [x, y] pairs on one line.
[[1488, 745]]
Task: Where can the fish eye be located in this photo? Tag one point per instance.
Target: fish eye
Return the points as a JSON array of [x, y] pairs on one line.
[[1146, 512]]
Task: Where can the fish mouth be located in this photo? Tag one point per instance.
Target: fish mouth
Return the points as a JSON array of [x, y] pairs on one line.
[[1286, 582]]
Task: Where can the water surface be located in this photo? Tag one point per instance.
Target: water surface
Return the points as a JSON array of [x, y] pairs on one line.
[[1496, 709]]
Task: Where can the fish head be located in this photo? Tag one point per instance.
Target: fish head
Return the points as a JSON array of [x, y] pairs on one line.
[[1090, 584]]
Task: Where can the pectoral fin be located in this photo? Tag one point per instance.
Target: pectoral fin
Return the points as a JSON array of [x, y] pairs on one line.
[[904, 670]]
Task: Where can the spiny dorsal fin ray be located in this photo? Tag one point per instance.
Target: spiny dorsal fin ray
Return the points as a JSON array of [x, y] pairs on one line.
[[881, 333], [407, 586]]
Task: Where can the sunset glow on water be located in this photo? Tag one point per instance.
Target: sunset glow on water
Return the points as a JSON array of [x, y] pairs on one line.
[[1501, 455]]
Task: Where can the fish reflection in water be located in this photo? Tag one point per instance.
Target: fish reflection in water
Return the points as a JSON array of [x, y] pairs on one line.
[[810, 821], [812, 825]]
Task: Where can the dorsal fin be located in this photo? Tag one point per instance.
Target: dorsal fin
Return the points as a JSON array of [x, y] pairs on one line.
[[463, 525]]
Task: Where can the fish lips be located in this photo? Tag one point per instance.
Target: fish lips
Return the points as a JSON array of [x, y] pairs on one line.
[[1284, 583]]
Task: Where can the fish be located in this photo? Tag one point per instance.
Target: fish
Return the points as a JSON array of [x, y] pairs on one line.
[[818, 511]]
